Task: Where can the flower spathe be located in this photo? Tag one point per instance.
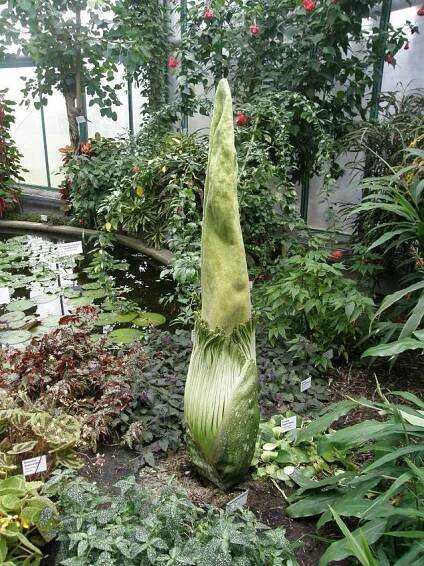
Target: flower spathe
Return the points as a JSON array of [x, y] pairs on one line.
[[221, 394]]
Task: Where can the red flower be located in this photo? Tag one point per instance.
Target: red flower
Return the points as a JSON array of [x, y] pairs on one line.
[[3, 206], [390, 59], [135, 169], [172, 62], [208, 14], [85, 148], [241, 119], [336, 255], [421, 11], [309, 5], [254, 29]]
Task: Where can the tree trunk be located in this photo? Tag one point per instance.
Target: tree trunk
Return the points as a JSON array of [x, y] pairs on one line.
[[72, 113]]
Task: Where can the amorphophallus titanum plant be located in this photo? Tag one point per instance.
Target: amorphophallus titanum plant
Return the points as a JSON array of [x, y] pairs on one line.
[[221, 395]]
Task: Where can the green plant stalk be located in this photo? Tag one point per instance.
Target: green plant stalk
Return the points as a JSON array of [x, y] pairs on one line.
[[221, 395]]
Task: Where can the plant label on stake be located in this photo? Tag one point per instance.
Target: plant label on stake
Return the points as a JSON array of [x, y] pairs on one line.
[[44, 217], [305, 384], [4, 296], [34, 465], [69, 249], [288, 424], [237, 502]]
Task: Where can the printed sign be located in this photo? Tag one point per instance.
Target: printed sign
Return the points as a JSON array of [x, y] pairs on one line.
[[34, 465], [305, 384], [237, 502], [4, 296], [44, 217], [288, 424], [69, 249], [80, 120]]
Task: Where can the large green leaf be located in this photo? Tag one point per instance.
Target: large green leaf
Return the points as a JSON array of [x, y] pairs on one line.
[[394, 348], [322, 423], [397, 296], [339, 550], [393, 456], [312, 505]]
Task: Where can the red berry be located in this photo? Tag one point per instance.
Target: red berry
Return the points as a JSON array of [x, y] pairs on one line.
[[254, 29], [309, 5], [390, 59], [421, 11], [208, 14], [241, 119], [336, 255], [172, 62]]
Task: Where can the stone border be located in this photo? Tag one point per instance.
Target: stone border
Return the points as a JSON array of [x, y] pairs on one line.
[[161, 255]]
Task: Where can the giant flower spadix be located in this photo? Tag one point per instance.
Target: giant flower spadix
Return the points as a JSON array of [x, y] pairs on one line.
[[221, 394]]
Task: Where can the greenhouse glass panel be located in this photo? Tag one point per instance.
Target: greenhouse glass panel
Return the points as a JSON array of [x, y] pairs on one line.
[[26, 131]]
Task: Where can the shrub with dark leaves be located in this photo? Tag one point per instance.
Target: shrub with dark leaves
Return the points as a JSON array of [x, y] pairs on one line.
[[70, 371]]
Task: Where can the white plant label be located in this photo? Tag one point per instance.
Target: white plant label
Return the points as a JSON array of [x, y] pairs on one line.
[[34, 465], [80, 120], [44, 217], [69, 249], [4, 296], [288, 424], [305, 384], [237, 502]]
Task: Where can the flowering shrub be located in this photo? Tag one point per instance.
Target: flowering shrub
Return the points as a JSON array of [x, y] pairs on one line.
[[10, 158], [309, 295]]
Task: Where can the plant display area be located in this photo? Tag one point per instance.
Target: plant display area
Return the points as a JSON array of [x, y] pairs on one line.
[[257, 397]]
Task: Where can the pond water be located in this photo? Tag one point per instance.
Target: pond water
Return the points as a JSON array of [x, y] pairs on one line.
[[38, 285]]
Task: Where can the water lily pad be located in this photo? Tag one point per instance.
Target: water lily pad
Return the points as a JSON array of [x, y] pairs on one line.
[[11, 337], [126, 316], [106, 318], [80, 302], [51, 321], [91, 286], [125, 335], [149, 319], [25, 323], [11, 317], [95, 293], [20, 305], [71, 292]]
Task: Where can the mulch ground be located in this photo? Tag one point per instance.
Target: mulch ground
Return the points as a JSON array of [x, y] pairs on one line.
[[265, 500]]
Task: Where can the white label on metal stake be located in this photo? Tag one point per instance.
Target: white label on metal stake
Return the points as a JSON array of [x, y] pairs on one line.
[[44, 217], [4, 296], [288, 424], [34, 465], [80, 120], [305, 384], [69, 249], [237, 502]]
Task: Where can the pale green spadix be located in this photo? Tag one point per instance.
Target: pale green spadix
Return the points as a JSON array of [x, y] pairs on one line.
[[221, 395]]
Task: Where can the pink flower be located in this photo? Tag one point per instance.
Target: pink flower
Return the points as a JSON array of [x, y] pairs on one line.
[[172, 62], [241, 119], [390, 59], [208, 14], [254, 29], [421, 11], [336, 255], [309, 5]]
